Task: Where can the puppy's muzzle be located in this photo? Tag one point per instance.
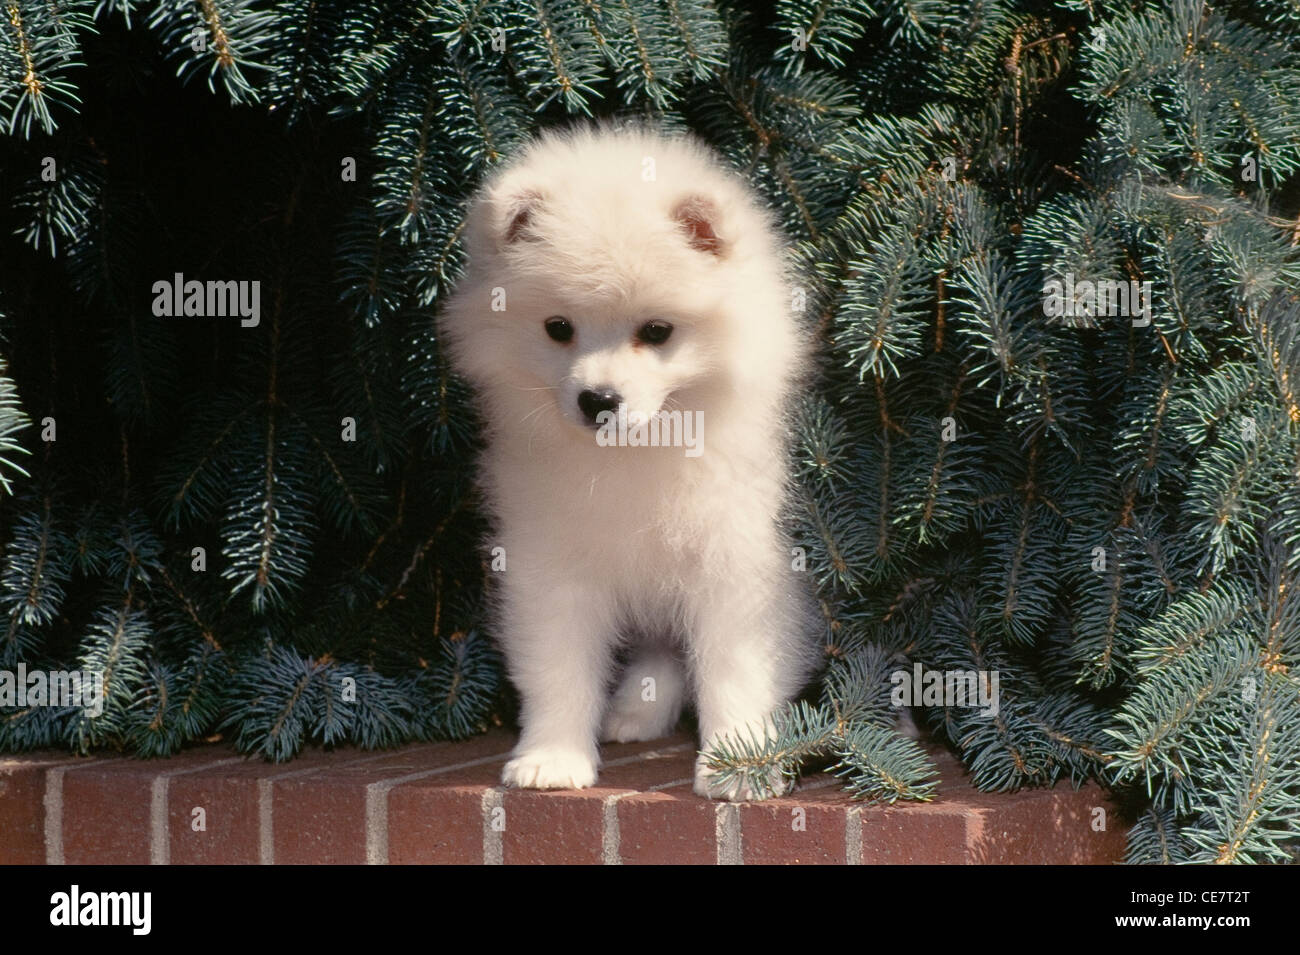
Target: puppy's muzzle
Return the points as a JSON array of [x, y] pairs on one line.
[[594, 401]]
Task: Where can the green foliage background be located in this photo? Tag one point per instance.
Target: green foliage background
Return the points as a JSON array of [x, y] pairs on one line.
[[1106, 513]]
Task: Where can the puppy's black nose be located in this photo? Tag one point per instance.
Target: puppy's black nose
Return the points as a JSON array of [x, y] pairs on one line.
[[600, 399]]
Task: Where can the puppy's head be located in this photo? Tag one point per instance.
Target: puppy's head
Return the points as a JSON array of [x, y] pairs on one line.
[[612, 269]]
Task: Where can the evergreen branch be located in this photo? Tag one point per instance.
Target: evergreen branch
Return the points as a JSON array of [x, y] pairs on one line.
[[880, 765], [225, 37], [38, 45], [13, 420]]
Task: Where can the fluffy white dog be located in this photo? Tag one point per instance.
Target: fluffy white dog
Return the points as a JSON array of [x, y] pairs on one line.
[[626, 322]]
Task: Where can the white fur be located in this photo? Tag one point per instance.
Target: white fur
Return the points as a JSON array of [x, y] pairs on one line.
[[678, 561]]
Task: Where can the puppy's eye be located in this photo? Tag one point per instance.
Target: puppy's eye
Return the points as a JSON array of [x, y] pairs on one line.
[[654, 333], [560, 329]]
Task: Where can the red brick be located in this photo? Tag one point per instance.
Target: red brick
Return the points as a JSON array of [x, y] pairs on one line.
[[229, 799], [769, 836], [565, 827], [107, 805], [438, 820], [1039, 828], [672, 827], [321, 818], [436, 817], [907, 833], [22, 811], [435, 814], [106, 812], [554, 828]]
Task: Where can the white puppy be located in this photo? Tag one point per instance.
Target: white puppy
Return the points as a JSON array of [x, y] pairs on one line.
[[626, 323]]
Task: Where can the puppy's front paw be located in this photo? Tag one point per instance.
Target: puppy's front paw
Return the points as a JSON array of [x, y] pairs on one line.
[[550, 768], [708, 782]]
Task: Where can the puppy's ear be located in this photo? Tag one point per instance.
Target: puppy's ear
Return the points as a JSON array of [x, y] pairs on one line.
[[698, 218], [516, 211]]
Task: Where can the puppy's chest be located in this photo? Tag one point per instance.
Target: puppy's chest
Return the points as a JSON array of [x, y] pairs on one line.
[[613, 517]]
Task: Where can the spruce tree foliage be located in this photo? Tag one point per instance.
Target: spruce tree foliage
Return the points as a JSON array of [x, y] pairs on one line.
[[270, 532]]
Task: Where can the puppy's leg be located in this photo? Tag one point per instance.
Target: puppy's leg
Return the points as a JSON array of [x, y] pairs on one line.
[[558, 649], [648, 701], [747, 662]]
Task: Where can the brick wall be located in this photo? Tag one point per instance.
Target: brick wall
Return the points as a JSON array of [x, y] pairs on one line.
[[440, 803]]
